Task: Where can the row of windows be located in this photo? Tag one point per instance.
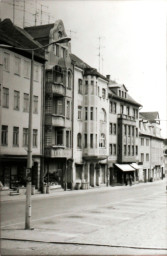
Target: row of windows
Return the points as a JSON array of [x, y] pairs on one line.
[[130, 130], [112, 149], [93, 140], [93, 113], [17, 65], [93, 90], [122, 94], [147, 157], [146, 141], [112, 128], [59, 51], [113, 109], [4, 136], [130, 150], [59, 138], [16, 102]]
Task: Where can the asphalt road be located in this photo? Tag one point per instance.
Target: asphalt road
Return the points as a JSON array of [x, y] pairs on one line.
[[133, 219]]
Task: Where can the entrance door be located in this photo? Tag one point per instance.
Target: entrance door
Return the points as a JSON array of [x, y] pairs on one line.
[[92, 175]]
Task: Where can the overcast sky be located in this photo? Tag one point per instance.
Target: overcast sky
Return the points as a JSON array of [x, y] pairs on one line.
[[133, 44]]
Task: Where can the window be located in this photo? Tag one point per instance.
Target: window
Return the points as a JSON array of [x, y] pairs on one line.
[[129, 130], [128, 150], [96, 141], [5, 97], [67, 139], [110, 128], [92, 87], [125, 94], [25, 137], [79, 137], [133, 151], [17, 65], [142, 141], [91, 113], [0, 94], [59, 137], [85, 140], [147, 157], [69, 80], [79, 112], [134, 111], [36, 72], [103, 93], [86, 113], [115, 128], [110, 107], [4, 135], [68, 110], [91, 140], [133, 130], [26, 69], [125, 129], [142, 157], [80, 86], [147, 142], [120, 93], [114, 149], [63, 52], [35, 138], [136, 132], [57, 50], [98, 91], [136, 150], [16, 100], [59, 107], [122, 109], [26, 103], [6, 62], [114, 108], [86, 87], [103, 115], [110, 149], [35, 104], [16, 136], [127, 111], [102, 141], [125, 150]]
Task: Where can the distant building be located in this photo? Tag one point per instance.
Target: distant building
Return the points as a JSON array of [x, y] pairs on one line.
[[165, 156], [151, 147], [15, 67], [123, 135]]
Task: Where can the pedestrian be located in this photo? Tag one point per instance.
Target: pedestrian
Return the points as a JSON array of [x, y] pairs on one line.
[[130, 180]]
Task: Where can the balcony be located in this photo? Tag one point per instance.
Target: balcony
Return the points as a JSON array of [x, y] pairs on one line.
[[58, 151], [96, 154], [55, 120], [126, 117], [57, 89]]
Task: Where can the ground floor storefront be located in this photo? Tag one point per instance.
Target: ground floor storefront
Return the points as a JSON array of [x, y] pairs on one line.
[[13, 172], [151, 174]]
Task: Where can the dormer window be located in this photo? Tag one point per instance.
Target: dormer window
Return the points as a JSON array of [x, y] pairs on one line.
[[122, 94]]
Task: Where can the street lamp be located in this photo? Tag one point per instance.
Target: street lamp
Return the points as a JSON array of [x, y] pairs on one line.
[[29, 151]]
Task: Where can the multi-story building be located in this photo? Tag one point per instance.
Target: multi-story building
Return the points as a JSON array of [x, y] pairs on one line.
[[15, 68], [123, 135], [151, 147]]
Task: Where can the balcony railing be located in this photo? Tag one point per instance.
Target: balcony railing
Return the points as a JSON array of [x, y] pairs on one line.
[[58, 151], [55, 120], [123, 116], [55, 88]]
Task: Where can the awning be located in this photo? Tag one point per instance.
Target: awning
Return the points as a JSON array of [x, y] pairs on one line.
[[125, 167], [136, 166]]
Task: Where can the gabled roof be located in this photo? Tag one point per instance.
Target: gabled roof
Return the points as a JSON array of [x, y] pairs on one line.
[[150, 116], [128, 99], [18, 37], [40, 33], [88, 70]]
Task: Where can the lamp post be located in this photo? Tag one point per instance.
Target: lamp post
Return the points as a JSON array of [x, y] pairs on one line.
[[29, 151]]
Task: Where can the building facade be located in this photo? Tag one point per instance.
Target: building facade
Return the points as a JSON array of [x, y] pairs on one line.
[[123, 135], [151, 147], [14, 107]]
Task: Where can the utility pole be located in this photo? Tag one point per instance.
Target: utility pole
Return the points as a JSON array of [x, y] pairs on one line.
[[99, 48], [13, 11], [24, 12]]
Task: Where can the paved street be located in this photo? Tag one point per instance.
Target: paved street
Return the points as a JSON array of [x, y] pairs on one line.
[[124, 220]]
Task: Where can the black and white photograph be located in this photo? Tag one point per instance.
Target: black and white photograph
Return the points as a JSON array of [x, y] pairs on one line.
[[83, 127]]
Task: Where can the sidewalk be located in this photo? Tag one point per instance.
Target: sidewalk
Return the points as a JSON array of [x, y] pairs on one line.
[[60, 192]]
